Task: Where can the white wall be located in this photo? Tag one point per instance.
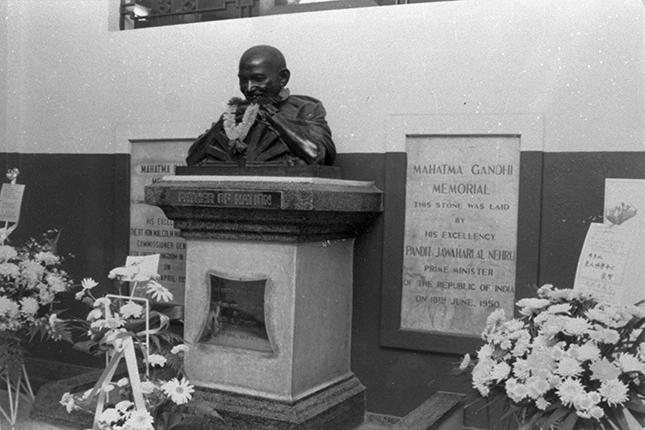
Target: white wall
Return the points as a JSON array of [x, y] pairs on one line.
[[71, 84]]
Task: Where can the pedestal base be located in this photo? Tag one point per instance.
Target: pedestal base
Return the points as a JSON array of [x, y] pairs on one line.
[[338, 407]]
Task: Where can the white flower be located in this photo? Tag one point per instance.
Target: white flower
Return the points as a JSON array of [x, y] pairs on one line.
[[95, 314], [9, 270], [68, 401], [88, 283], [596, 412], [156, 360], [569, 367], [131, 310], [183, 348], [8, 307], [7, 252], [147, 387], [570, 391], [531, 305], [123, 382], [179, 392], [123, 406], [604, 335], [614, 392], [102, 301], [45, 294], [575, 326], [586, 352], [107, 387], [500, 371], [29, 305], [139, 420], [541, 403], [159, 292], [630, 363], [110, 416], [47, 258], [32, 270], [56, 283], [464, 363]]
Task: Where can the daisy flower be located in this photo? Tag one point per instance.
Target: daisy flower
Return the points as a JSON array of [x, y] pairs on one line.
[[88, 283], [159, 292], [179, 392]]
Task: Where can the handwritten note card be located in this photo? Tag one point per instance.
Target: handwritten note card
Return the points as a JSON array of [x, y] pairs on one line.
[[603, 262], [10, 202]]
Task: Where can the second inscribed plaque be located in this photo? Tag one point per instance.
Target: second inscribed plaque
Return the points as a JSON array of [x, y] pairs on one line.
[[460, 236]]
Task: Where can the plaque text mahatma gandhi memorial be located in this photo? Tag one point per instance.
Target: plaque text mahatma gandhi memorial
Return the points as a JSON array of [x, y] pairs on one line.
[[460, 234]]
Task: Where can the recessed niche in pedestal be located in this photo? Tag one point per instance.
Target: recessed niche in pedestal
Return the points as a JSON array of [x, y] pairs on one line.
[[236, 314]]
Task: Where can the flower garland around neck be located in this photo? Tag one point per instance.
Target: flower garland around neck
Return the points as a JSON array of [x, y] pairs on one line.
[[236, 133]]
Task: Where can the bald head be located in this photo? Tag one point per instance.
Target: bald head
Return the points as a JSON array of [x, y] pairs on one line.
[[263, 72], [264, 53]]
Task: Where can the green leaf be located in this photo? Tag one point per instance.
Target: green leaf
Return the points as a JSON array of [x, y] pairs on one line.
[[639, 417], [620, 417], [635, 406], [569, 421], [555, 416]]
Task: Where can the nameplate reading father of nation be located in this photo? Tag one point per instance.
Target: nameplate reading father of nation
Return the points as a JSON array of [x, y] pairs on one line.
[[226, 198]]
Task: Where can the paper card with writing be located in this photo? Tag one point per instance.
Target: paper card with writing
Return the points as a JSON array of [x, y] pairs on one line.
[[10, 202], [460, 233], [142, 268], [607, 264]]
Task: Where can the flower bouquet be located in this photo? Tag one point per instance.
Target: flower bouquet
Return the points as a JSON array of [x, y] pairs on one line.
[[128, 326], [30, 280], [569, 363]]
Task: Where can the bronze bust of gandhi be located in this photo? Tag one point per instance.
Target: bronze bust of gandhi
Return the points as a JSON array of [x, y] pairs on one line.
[[269, 126]]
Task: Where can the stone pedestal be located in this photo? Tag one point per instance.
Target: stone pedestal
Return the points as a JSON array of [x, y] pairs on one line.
[[269, 295]]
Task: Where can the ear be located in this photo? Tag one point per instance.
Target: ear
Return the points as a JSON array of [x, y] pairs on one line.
[[284, 75]]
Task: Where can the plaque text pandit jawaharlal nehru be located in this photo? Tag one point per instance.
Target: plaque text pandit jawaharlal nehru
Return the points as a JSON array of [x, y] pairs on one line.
[[269, 126]]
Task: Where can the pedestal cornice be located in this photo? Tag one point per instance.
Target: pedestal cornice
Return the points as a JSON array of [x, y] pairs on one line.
[[282, 209]]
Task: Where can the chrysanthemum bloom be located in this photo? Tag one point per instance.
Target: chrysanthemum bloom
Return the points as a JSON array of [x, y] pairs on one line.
[[29, 305], [31, 270], [9, 270], [179, 392], [140, 420], [123, 406], [131, 310], [110, 416], [614, 392], [8, 307], [156, 360], [570, 391], [604, 370], [47, 258], [7, 252]]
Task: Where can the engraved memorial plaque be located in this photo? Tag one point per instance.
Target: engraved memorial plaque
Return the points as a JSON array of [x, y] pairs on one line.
[[236, 314], [460, 234]]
